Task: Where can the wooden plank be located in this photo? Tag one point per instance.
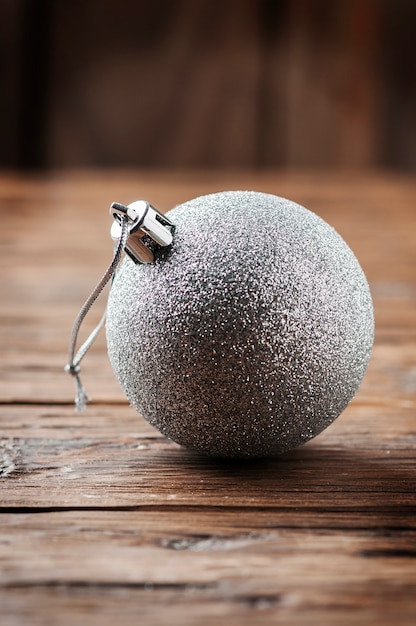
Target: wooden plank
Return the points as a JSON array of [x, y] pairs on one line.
[[112, 458], [193, 550], [237, 566], [188, 606]]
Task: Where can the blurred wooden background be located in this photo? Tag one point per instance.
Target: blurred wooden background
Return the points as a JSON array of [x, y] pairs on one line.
[[206, 83]]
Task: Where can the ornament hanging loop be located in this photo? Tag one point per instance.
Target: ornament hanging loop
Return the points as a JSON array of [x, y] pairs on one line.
[[75, 358], [140, 231]]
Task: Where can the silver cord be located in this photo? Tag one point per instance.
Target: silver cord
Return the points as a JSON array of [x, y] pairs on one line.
[[74, 360]]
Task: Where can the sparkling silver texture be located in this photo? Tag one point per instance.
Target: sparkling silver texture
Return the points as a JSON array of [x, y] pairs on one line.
[[253, 334]]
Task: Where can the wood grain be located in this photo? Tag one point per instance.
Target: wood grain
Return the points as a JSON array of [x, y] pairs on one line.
[[103, 519], [239, 83]]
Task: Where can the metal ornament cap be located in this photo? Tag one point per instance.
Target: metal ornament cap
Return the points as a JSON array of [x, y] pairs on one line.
[[149, 230], [251, 336]]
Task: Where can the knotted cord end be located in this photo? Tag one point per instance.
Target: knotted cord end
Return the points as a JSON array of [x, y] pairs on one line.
[[81, 397], [71, 368]]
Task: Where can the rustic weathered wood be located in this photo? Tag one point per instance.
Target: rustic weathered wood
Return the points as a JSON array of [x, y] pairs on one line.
[[184, 84], [103, 519]]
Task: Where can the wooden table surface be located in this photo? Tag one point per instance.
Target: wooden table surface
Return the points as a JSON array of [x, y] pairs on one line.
[[104, 521]]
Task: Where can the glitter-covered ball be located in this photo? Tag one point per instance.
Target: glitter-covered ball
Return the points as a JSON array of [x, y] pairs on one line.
[[252, 334]]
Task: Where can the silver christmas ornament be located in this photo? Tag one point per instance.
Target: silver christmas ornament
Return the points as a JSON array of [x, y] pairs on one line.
[[245, 329]]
